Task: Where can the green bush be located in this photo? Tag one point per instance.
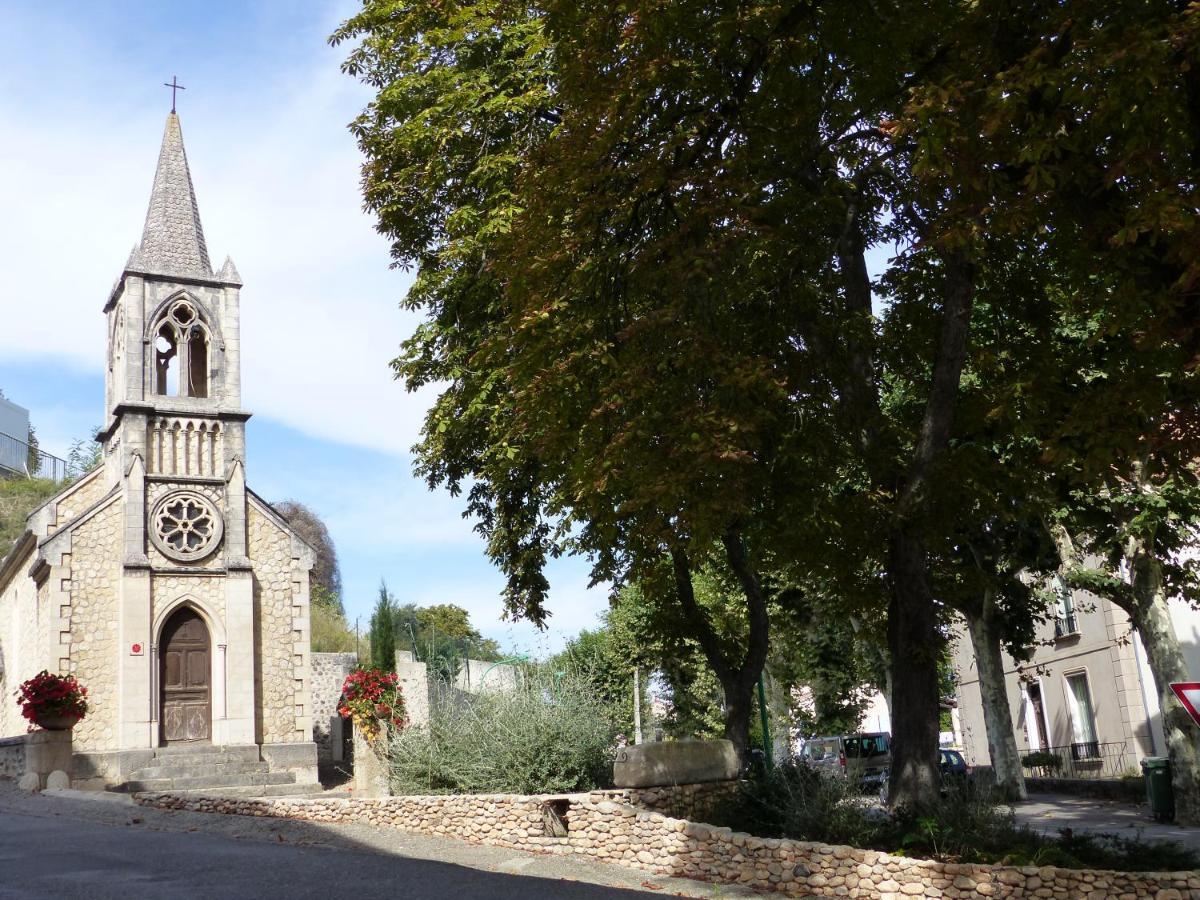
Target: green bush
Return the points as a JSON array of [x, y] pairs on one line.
[[549, 735], [1042, 759], [799, 801], [18, 498], [969, 825]]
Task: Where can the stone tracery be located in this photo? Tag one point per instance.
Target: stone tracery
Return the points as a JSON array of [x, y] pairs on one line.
[[185, 526]]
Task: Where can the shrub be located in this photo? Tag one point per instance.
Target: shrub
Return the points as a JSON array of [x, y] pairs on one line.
[[968, 825], [1042, 759], [799, 801], [549, 735]]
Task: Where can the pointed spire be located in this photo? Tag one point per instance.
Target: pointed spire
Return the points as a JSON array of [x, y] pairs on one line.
[[173, 240], [229, 273]]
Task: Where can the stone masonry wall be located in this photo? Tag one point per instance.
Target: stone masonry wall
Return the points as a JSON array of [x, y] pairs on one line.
[[95, 574], [603, 825], [329, 671], [208, 589], [695, 802], [271, 556], [12, 757]]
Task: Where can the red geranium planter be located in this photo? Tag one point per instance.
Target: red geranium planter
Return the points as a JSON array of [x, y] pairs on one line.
[[53, 702]]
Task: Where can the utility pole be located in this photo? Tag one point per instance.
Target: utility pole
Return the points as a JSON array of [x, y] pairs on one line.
[[637, 705]]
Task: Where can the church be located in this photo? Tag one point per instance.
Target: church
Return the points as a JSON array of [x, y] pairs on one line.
[[173, 592]]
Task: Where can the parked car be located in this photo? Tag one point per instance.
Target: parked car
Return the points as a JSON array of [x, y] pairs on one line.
[[858, 757], [868, 757], [825, 752], [951, 765]]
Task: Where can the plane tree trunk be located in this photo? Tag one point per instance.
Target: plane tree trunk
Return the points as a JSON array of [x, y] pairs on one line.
[[997, 715], [1151, 616]]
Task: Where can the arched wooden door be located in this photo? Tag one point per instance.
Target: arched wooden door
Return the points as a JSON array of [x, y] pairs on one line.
[[185, 670]]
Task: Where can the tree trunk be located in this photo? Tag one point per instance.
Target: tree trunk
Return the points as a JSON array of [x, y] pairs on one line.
[[739, 707], [914, 644], [1152, 618], [997, 717], [914, 640], [737, 678]]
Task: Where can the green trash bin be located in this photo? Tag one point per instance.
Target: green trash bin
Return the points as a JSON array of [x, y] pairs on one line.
[[1159, 793]]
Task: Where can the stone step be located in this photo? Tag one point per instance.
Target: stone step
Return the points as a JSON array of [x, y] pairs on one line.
[[310, 789], [257, 779], [205, 753], [190, 769]]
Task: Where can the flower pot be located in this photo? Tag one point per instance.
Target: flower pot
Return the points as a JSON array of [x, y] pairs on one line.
[[53, 722]]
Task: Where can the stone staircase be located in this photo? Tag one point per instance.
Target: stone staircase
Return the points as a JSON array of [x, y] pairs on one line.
[[204, 769]]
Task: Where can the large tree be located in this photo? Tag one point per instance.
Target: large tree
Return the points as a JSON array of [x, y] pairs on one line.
[[640, 234], [326, 577]]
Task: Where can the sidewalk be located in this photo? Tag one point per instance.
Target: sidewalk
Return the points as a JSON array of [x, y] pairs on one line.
[[1051, 812]]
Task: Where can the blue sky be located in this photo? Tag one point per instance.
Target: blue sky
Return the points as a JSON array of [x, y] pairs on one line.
[[264, 118]]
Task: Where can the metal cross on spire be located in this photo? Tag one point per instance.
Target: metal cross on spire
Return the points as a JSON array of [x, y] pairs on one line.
[[174, 85]]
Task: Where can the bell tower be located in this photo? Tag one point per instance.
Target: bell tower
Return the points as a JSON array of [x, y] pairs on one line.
[[173, 386]]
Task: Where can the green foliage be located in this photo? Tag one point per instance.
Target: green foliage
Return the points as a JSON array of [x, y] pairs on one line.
[[966, 825], [18, 498], [330, 632], [640, 248], [549, 735], [802, 802], [85, 455], [602, 657], [326, 576], [1042, 759], [441, 636], [383, 631]]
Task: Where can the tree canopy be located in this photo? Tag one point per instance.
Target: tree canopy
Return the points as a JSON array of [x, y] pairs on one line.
[[640, 235]]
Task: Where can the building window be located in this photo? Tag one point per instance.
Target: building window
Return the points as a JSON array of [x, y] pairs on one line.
[[1064, 622], [1083, 718]]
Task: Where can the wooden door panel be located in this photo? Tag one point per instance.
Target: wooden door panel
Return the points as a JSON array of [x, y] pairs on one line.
[[185, 679], [197, 669]]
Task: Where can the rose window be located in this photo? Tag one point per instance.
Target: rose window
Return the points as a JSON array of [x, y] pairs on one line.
[[186, 526]]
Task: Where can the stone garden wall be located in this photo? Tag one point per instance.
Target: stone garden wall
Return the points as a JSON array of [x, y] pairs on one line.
[[606, 826], [329, 671], [12, 757]]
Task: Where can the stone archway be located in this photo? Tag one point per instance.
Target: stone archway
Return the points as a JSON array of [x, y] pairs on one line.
[[185, 679]]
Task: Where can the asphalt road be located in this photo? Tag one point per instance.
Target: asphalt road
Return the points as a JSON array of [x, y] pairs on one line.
[[60, 858]]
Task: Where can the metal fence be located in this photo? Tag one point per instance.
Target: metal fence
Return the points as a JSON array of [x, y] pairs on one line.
[[1083, 759], [18, 458]]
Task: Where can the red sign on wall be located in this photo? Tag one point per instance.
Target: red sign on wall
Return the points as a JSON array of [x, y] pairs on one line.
[[1188, 693], [135, 649]]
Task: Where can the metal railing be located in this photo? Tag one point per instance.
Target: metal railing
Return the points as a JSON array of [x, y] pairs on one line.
[[1065, 625], [1082, 759], [18, 458]]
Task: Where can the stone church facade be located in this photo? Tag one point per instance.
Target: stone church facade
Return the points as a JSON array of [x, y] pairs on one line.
[[160, 580]]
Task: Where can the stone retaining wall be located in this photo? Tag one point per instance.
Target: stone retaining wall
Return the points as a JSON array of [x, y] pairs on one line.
[[329, 671], [605, 826], [12, 757], [694, 802]]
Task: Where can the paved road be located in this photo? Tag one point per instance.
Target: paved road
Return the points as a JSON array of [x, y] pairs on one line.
[[42, 857]]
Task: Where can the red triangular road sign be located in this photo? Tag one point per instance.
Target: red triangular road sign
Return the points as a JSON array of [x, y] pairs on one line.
[[1188, 693]]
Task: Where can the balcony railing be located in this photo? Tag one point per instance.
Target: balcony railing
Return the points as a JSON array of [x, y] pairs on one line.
[[1064, 626], [1083, 759], [17, 458]]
